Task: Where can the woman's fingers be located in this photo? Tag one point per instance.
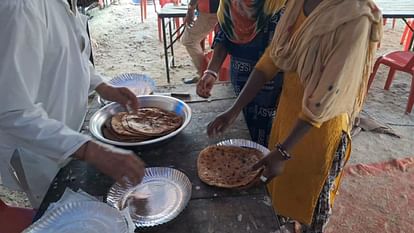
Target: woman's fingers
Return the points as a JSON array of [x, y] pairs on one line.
[[201, 91], [259, 164]]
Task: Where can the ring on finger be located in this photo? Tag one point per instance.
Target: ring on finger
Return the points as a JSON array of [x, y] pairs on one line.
[[263, 178]]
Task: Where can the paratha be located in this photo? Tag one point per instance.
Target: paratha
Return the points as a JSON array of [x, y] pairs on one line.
[[151, 122], [146, 123], [228, 166]]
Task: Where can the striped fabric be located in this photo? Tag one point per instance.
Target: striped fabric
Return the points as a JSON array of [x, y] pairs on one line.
[[241, 20]]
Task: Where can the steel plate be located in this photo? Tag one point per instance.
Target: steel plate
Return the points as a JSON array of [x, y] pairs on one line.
[[78, 217], [244, 143], [165, 193], [139, 84], [164, 102]]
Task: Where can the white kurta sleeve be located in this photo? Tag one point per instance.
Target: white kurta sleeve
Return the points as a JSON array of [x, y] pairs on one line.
[[96, 77], [22, 50]]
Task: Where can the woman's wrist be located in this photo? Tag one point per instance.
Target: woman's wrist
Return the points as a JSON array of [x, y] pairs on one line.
[[212, 73], [283, 151]]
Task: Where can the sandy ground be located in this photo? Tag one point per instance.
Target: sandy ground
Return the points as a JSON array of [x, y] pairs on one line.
[[122, 44]]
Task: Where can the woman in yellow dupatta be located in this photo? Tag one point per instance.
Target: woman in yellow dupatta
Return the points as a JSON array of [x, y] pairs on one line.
[[326, 50]]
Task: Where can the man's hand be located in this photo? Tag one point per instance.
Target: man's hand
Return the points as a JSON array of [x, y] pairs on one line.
[[205, 85], [122, 165], [121, 95]]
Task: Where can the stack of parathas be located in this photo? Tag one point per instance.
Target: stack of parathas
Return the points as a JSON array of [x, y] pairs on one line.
[[228, 166], [142, 125]]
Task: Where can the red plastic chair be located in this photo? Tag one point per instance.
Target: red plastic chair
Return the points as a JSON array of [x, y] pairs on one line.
[[14, 219], [210, 38], [397, 61], [407, 36]]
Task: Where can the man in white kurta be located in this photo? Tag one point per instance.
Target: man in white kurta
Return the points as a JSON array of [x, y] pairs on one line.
[[45, 78]]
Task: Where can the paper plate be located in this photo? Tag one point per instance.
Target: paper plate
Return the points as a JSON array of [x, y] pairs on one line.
[[244, 143], [81, 217], [164, 192], [139, 84]]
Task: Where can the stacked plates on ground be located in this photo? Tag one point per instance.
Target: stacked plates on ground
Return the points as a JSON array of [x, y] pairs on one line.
[[139, 84], [161, 197]]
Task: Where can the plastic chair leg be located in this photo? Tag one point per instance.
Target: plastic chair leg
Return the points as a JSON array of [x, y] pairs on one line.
[[404, 35], [390, 77], [410, 97], [374, 72], [211, 38], [145, 9], [177, 26], [142, 10], [159, 30], [407, 40]]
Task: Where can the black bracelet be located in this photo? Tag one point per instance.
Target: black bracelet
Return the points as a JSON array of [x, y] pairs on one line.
[[283, 152]]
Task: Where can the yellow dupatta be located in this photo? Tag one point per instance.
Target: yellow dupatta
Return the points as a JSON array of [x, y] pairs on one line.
[[318, 50]]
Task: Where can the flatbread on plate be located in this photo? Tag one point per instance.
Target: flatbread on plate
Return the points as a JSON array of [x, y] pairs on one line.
[[144, 124], [228, 166], [152, 121]]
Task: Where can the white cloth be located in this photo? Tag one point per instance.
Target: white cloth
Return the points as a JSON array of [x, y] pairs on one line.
[[45, 76]]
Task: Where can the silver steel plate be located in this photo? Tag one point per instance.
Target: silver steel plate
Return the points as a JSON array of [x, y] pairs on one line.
[[164, 102], [164, 193], [78, 217]]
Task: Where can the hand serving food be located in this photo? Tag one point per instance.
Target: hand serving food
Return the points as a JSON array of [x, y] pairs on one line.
[[222, 122], [122, 165], [121, 95]]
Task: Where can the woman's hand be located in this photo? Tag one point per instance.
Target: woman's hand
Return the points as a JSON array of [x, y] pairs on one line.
[[222, 122], [205, 85], [121, 95], [272, 164], [123, 166]]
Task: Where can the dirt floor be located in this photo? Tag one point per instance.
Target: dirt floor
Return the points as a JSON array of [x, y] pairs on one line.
[[122, 44]]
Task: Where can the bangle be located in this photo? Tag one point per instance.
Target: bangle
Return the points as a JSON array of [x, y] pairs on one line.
[[283, 152], [213, 73]]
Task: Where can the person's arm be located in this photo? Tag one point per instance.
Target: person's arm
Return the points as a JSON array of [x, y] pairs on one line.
[[217, 60], [265, 70], [189, 18], [209, 77]]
